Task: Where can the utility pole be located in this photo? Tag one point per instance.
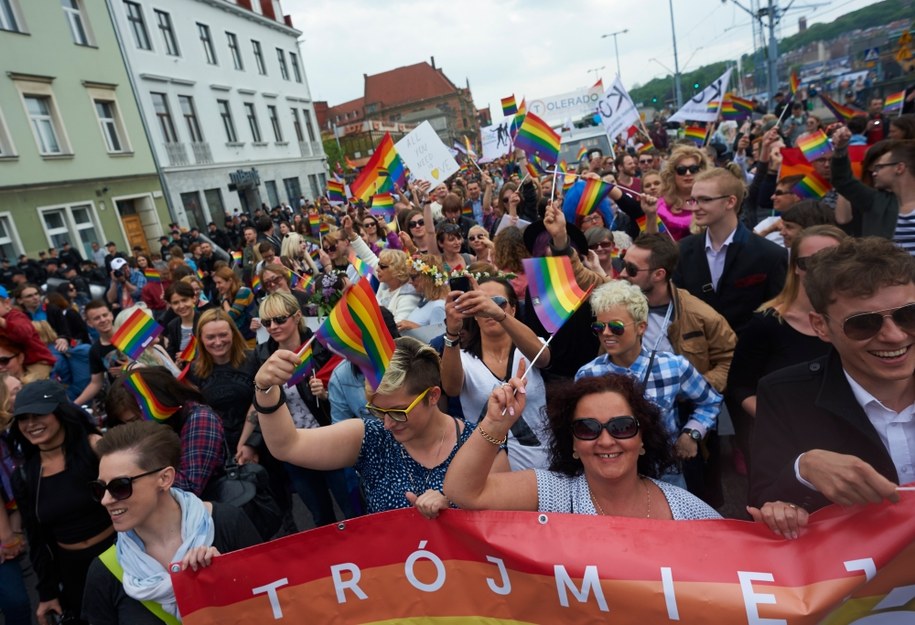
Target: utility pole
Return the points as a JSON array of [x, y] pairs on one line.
[[678, 90], [773, 50]]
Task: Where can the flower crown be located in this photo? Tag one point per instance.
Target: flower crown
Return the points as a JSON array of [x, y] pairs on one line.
[[482, 275], [438, 277]]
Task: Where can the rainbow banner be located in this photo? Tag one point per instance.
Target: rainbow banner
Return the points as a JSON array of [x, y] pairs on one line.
[[509, 106], [814, 145], [742, 106], [136, 334], [152, 274], [812, 187], [304, 365], [356, 330], [336, 192], [582, 153], [794, 83], [383, 171], [189, 353], [537, 138], [593, 194], [554, 292], [153, 409], [696, 134], [849, 566], [842, 112], [894, 102]]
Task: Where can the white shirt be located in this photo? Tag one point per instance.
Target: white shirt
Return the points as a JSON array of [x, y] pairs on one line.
[[716, 257]]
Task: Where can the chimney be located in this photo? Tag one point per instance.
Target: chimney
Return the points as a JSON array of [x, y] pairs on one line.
[[267, 9], [433, 61], [801, 24]]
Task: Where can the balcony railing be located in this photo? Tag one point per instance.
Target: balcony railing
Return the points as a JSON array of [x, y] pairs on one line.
[[202, 153], [177, 154]]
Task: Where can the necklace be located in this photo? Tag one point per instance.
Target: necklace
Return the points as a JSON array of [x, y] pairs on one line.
[[403, 457], [600, 510], [45, 449]]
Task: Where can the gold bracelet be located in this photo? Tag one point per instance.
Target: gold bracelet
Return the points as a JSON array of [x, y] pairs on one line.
[[489, 438]]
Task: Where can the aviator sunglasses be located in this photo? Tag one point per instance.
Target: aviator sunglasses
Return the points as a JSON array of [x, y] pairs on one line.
[[618, 328], [866, 325], [619, 428]]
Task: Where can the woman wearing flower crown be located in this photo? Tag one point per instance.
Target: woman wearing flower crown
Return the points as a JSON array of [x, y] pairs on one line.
[[430, 280]]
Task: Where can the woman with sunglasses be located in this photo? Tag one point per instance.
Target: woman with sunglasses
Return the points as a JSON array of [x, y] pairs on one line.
[[603, 250], [402, 454], [276, 278], [237, 300], [376, 235], [677, 179], [158, 524], [495, 343], [480, 244], [608, 450], [430, 280], [415, 238], [395, 292], [621, 318], [66, 529], [308, 404]]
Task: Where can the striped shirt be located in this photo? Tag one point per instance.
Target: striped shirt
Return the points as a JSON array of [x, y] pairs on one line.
[[904, 236]]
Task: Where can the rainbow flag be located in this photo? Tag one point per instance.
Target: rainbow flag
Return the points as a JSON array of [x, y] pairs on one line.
[[152, 274], [794, 83], [469, 147], [350, 164], [814, 145], [136, 334], [384, 170], [509, 106], [794, 163], [843, 113], [894, 102], [336, 192], [189, 353], [153, 409], [519, 118], [582, 153], [314, 222], [812, 187], [304, 365], [300, 282], [536, 137], [364, 270], [256, 283], [237, 256], [712, 107], [200, 273], [383, 206], [591, 196], [554, 292], [646, 147], [568, 181], [741, 105], [696, 134], [356, 330], [324, 228], [642, 223]]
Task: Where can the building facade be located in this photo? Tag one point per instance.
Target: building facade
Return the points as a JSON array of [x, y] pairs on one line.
[[75, 165], [222, 88]]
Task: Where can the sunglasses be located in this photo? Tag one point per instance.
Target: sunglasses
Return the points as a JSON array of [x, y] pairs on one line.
[[604, 245], [863, 326], [499, 301], [120, 487], [619, 428], [369, 224], [330, 249], [632, 270], [397, 414], [646, 162], [477, 237], [617, 328], [801, 262], [279, 320], [682, 169], [5, 360], [419, 223], [780, 192], [382, 266], [272, 282]]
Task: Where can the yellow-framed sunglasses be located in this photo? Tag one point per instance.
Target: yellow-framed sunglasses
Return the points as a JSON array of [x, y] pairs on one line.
[[397, 414]]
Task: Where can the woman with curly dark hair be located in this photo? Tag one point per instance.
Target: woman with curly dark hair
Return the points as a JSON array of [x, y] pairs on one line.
[[508, 252], [608, 449]]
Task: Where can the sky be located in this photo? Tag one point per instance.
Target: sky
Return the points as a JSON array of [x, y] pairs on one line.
[[531, 48]]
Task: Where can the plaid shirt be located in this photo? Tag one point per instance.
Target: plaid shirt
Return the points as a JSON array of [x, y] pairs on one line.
[[202, 448], [672, 378]]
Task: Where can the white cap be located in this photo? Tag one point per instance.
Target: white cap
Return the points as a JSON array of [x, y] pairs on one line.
[[118, 263]]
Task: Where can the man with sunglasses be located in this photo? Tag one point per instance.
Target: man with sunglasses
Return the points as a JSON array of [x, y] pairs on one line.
[[840, 429]]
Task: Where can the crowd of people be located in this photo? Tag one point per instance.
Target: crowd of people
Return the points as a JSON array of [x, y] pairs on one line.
[[799, 333]]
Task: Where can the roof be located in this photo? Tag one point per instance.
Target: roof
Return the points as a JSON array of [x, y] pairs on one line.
[[349, 112], [412, 83]]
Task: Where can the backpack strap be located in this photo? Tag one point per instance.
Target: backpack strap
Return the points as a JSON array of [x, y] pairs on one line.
[[110, 559]]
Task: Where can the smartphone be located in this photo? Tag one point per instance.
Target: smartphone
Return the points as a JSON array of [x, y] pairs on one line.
[[461, 283]]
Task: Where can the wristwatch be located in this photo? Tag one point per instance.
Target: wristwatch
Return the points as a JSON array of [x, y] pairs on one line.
[[696, 435], [455, 342]]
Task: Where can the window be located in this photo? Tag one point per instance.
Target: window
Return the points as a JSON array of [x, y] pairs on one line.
[[204, 31], [226, 113], [234, 51], [275, 123], [273, 198], [9, 19], [164, 20], [108, 121], [41, 116], [252, 122], [284, 69], [308, 126], [259, 57], [137, 25], [9, 241], [6, 143], [294, 61], [72, 223], [164, 115], [313, 183], [293, 190], [189, 112], [76, 21], [297, 124], [213, 199]]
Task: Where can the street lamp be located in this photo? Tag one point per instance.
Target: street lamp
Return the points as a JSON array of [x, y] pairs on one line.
[[678, 91], [616, 49]]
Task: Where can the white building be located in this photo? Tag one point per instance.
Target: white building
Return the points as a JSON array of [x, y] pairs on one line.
[[224, 97]]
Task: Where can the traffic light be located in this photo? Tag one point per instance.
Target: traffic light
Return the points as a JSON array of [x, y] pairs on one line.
[[695, 85], [654, 100]]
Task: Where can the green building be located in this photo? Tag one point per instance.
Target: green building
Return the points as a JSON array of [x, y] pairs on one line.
[[75, 162]]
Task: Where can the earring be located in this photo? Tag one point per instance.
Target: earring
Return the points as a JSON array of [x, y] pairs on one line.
[[575, 455], [642, 451]]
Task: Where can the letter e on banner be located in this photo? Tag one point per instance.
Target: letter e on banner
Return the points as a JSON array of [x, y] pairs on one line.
[[752, 599]]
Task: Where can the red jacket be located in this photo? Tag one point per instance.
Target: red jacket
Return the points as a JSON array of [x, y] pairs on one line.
[[19, 329]]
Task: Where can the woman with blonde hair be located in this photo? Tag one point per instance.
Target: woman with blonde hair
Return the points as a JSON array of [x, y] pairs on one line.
[[294, 255], [428, 277], [237, 300], [395, 292], [677, 179]]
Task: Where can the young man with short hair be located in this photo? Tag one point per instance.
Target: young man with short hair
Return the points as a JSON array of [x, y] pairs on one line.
[[103, 363]]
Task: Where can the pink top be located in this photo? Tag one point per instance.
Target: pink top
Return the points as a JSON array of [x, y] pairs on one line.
[[677, 225]]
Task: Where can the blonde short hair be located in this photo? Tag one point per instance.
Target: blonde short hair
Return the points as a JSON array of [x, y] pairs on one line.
[[620, 293], [281, 303], [415, 366], [397, 262], [728, 183]]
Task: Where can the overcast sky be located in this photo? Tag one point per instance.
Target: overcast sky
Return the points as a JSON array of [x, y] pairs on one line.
[[530, 47]]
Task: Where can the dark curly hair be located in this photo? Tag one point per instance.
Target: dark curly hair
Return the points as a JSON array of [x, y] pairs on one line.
[[562, 402]]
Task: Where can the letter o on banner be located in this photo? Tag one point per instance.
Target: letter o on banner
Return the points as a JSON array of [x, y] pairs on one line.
[[436, 562]]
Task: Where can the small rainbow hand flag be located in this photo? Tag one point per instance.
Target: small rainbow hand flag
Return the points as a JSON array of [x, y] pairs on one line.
[[152, 274], [537, 138], [593, 194], [794, 83], [336, 192], [812, 187], [814, 145], [305, 364], [136, 334], [153, 409], [695, 134], [582, 152], [642, 223], [314, 222], [554, 292], [894, 102], [237, 256], [364, 270], [383, 206], [200, 274], [255, 282], [842, 112], [509, 107], [189, 353], [568, 181]]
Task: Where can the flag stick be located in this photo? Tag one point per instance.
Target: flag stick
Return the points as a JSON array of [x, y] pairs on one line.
[[531, 366], [313, 376], [616, 184]]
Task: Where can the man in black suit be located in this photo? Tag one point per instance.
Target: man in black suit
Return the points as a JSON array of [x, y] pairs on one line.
[[840, 429], [727, 266]]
